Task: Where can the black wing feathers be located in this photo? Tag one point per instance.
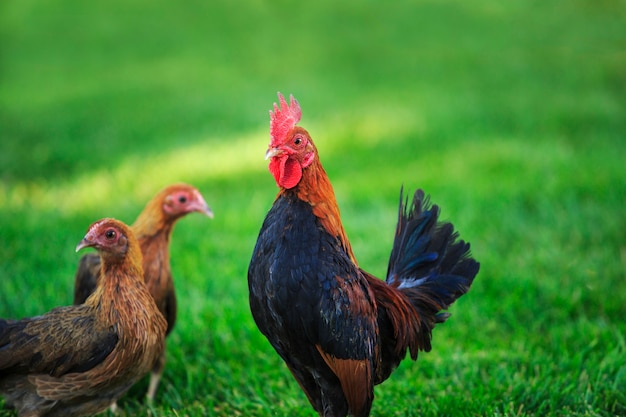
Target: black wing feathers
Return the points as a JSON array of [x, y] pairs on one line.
[[339, 329], [311, 283]]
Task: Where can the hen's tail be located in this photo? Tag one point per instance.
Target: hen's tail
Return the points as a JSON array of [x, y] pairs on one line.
[[8, 354], [428, 270]]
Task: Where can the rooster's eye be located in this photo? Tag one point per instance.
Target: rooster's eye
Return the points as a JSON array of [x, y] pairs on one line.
[[182, 199], [109, 234], [297, 141]]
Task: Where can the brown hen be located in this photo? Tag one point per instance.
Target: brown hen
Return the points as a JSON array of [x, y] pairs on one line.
[[153, 229]]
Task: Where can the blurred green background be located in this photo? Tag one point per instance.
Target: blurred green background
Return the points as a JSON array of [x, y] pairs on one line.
[[512, 115]]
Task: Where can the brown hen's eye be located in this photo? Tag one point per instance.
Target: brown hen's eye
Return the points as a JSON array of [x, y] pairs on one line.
[[109, 234], [297, 141], [182, 199]]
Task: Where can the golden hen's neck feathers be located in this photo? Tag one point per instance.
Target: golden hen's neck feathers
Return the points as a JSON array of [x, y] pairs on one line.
[[119, 272], [122, 291]]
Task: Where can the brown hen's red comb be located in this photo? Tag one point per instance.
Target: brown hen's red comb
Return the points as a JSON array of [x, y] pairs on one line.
[[283, 119]]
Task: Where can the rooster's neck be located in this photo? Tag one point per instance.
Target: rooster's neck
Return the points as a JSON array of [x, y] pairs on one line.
[[315, 188]]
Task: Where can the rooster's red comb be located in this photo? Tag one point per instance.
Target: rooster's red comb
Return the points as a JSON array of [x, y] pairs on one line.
[[283, 119]]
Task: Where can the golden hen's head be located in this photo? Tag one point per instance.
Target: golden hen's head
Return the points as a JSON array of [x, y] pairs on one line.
[[112, 239]]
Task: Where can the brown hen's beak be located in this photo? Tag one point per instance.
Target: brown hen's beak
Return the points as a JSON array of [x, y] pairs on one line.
[[201, 206], [204, 209], [272, 152], [208, 212]]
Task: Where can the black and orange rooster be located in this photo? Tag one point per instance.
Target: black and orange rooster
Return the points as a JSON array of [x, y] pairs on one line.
[[77, 360], [339, 329], [153, 229]]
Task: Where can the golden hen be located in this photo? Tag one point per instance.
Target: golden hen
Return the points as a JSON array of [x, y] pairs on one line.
[[77, 360]]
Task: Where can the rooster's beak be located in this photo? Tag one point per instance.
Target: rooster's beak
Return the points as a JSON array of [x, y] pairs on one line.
[[272, 152]]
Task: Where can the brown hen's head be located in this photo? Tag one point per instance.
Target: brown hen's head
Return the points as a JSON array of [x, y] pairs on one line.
[[112, 239], [181, 199], [291, 148]]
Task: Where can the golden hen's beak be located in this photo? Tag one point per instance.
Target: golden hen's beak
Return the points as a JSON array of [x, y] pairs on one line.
[[83, 244]]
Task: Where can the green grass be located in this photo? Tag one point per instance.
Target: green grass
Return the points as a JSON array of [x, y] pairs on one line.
[[511, 115]]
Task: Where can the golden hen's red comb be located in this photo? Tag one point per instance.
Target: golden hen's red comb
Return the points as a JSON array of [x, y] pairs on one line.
[[283, 119]]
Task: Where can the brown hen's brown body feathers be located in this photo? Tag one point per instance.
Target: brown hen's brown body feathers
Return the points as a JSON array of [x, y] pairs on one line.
[[153, 229], [77, 360], [339, 329]]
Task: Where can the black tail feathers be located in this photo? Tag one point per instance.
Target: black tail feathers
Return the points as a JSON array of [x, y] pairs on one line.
[[427, 261]]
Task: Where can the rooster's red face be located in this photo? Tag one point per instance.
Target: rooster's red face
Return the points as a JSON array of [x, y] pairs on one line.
[[289, 159], [291, 149]]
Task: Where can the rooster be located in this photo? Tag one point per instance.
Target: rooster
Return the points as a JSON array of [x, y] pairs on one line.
[[153, 229], [77, 360], [339, 329]]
